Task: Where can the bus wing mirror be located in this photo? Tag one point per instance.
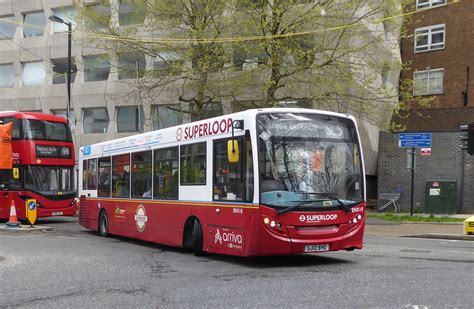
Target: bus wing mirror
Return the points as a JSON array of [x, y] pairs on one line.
[[16, 173], [233, 151]]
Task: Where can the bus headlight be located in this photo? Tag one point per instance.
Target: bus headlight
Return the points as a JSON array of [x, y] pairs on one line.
[[274, 225]]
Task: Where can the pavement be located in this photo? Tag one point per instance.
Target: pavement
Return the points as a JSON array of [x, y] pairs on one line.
[[447, 230], [373, 227]]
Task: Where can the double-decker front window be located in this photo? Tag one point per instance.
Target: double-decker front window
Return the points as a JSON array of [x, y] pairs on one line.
[[308, 161], [47, 131], [50, 180]]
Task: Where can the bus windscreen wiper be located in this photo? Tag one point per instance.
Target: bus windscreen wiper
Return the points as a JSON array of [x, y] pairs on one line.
[[287, 209], [346, 208]]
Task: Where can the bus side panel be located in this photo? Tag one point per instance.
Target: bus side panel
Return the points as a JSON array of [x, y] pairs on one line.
[[227, 228]]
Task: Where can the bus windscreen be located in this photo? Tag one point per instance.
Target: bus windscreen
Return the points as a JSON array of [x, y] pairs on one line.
[[312, 160]]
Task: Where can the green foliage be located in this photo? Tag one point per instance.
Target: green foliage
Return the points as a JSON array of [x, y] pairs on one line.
[[408, 218], [337, 55]]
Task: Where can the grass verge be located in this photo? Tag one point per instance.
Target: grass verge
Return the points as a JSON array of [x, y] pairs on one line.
[[415, 218]]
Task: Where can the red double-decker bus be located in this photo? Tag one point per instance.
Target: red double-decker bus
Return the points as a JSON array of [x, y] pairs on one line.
[[43, 165], [259, 182]]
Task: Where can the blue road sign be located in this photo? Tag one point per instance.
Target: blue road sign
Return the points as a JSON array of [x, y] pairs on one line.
[[414, 140]]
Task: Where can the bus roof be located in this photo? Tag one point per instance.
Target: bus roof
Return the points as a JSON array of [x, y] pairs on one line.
[[167, 135], [33, 115]]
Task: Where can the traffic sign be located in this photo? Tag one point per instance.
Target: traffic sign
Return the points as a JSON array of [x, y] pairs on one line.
[[414, 140], [31, 211], [425, 151]]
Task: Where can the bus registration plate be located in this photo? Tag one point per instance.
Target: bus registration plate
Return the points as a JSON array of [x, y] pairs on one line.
[[316, 248], [57, 213]]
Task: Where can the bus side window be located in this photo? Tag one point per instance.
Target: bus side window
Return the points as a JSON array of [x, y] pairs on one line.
[[141, 174], [165, 173], [193, 164], [121, 175], [104, 177], [89, 174]]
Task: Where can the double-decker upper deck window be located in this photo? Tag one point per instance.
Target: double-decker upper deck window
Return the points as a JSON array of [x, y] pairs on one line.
[[47, 130], [104, 177], [121, 176], [165, 182], [16, 131], [424, 4], [430, 38], [141, 174], [193, 164], [89, 174]]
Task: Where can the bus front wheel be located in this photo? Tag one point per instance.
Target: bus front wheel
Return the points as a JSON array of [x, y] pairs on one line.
[[197, 239], [103, 224]]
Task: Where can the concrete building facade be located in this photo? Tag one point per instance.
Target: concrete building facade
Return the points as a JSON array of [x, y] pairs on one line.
[[105, 105]]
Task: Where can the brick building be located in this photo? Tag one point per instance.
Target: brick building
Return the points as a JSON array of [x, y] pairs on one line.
[[440, 50]]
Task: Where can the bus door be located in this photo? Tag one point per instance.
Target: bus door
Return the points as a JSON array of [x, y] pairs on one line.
[[10, 180], [233, 191]]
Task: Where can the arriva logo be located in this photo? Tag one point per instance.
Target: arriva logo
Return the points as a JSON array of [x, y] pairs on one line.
[[218, 237], [227, 237]]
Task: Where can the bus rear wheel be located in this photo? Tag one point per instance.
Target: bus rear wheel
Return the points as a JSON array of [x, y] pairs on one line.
[[197, 239], [103, 224]]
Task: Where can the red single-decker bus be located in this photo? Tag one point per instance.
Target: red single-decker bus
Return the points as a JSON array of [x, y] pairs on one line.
[[259, 182]]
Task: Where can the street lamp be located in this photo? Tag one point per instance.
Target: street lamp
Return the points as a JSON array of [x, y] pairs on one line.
[[68, 73]]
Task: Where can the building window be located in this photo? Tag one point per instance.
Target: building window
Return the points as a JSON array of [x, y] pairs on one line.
[[127, 65], [33, 24], [7, 75], [7, 27], [97, 16], [121, 176], [165, 116], [423, 4], [33, 73], [128, 119], [60, 70], [62, 112], [96, 68], [429, 38], [95, 120], [67, 14], [167, 63], [428, 82], [243, 61], [131, 13], [165, 175], [209, 110], [193, 164]]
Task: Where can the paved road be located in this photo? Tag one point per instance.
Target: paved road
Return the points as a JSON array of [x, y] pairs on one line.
[[73, 267]]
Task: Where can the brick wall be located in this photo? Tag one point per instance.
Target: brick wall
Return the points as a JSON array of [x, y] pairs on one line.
[[447, 162], [454, 58]]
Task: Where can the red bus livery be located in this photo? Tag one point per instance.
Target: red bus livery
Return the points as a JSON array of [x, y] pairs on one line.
[[259, 182], [43, 165]]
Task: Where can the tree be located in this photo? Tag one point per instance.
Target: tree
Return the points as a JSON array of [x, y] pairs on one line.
[[331, 54]]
